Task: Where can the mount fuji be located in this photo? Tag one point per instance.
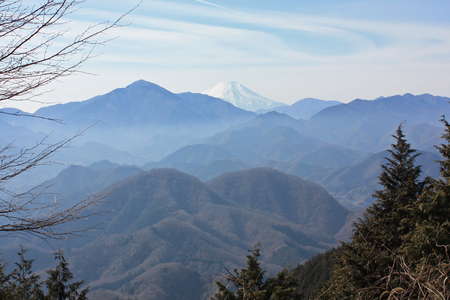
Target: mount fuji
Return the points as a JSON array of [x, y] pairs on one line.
[[241, 96]]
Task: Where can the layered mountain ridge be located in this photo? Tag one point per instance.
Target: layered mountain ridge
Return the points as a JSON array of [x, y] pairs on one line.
[[167, 222], [144, 103], [369, 124], [215, 180], [306, 108]]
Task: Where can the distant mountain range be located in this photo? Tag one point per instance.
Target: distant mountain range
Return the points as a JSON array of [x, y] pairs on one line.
[[368, 125], [162, 121], [241, 96], [242, 178], [204, 161], [143, 103], [142, 118], [270, 139], [206, 136]]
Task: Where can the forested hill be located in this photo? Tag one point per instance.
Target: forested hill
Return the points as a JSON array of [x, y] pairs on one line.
[[166, 222]]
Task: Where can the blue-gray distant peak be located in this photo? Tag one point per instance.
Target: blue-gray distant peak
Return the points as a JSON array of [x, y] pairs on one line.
[[143, 84], [273, 115], [367, 125], [11, 110], [306, 108], [142, 104], [421, 99]]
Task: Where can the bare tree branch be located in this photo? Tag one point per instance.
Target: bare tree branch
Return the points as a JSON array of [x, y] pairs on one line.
[[30, 211], [35, 50], [20, 114]]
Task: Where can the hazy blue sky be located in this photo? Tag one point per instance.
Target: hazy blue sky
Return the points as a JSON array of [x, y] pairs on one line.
[[283, 49]]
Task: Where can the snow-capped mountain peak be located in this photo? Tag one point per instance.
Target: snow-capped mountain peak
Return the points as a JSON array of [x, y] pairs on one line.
[[241, 96]]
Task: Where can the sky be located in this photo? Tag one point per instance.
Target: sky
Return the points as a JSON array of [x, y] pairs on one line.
[[285, 50]]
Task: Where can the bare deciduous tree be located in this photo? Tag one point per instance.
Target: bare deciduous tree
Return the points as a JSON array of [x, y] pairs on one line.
[[33, 211], [35, 50]]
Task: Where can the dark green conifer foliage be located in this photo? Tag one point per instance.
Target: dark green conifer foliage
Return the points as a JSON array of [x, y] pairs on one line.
[[432, 214], [370, 256], [249, 283], [59, 283], [282, 287], [401, 189], [444, 149], [423, 258], [24, 283], [314, 273]]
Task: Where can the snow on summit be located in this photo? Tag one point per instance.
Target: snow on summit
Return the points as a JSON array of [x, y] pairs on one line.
[[241, 96]]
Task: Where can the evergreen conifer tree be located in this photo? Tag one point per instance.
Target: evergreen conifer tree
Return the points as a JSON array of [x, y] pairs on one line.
[[432, 214], [59, 285], [249, 283], [370, 256], [424, 255], [314, 274], [24, 283], [444, 149]]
